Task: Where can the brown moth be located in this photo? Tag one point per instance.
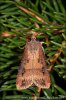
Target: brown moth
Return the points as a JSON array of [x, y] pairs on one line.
[[33, 68]]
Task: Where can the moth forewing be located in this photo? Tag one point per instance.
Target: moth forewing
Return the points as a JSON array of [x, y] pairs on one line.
[[41, 75], [24, 78]]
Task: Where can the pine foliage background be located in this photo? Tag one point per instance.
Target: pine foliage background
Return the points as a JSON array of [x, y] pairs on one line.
[[15, 25]]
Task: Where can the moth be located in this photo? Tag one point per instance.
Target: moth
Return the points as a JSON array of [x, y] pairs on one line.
[[33, 68]]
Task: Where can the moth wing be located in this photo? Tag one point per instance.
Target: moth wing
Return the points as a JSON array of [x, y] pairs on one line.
[[24, 79], [23, 82], [41, 75], [42, 80]]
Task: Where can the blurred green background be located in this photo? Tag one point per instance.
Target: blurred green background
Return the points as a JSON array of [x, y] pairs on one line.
[[15, 25]]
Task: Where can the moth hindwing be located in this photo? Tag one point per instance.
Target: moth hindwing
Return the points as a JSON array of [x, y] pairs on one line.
[[33, 68]]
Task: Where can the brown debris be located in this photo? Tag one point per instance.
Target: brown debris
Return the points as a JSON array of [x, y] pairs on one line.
[[31, 13], [7, 34]]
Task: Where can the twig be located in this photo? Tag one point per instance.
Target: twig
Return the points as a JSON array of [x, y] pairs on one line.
[[56, 56], [35, 97], [33, 14], [7, 34]]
